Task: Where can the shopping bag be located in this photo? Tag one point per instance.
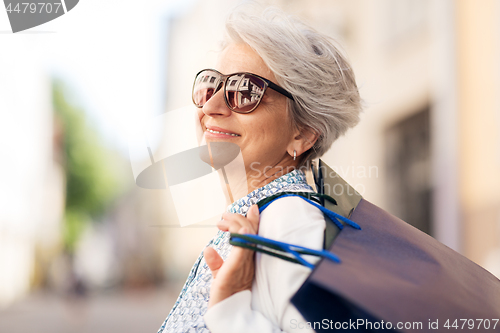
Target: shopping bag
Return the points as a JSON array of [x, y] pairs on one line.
[[394, 277]]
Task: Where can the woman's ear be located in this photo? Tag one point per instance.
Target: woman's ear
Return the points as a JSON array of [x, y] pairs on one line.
[[303, 141]]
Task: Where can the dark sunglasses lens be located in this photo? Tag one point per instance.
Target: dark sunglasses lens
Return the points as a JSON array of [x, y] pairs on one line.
[[244, 92], [205, 85]]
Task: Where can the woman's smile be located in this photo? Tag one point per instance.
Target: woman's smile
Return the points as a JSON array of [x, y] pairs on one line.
[[214, 132]]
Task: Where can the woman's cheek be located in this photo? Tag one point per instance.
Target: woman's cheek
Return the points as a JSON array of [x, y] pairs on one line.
[[200, 113], [198, 126]]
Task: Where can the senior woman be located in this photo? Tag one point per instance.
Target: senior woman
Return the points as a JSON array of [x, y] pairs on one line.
[[283, 93]]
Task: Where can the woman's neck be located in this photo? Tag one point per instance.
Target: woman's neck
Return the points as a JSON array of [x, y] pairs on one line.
[[236, 184]]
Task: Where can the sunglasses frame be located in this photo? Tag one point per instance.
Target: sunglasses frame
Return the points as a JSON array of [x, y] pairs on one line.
[[223, 78]]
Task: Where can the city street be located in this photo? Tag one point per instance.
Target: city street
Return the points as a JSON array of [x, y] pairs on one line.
[[129, 311]]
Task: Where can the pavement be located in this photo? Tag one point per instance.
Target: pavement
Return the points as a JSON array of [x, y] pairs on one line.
[[119, 311]]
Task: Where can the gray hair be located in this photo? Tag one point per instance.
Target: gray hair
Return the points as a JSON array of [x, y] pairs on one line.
[[308, 65]]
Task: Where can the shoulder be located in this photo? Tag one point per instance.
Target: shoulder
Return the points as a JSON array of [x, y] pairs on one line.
[[291, 219], [295, 221]]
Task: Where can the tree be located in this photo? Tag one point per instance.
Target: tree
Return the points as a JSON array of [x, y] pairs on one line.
[[92, 182]]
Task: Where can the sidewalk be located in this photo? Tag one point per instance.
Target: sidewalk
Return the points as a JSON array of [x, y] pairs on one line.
[[138, 311]]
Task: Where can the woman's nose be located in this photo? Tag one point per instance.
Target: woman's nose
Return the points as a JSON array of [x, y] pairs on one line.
[[216, 106]]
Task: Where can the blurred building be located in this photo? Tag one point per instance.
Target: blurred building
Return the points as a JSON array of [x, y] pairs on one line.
[[32, 179], [427, 148], [478, 99]]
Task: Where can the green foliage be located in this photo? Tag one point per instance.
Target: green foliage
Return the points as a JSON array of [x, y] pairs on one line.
[[91, 179], [75, 222]]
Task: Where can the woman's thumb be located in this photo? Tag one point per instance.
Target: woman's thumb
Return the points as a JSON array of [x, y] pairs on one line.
[[253, 216], [213, 259]]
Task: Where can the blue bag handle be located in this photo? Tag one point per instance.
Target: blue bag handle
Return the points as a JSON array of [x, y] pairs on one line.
[[290, 252]]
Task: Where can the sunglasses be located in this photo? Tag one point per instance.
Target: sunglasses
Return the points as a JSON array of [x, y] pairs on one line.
[[242, 91]]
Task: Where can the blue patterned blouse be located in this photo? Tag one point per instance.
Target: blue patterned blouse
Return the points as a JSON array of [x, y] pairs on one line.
[[187, 313]]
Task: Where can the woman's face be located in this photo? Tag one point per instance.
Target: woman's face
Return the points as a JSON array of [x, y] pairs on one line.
[[265, 136]]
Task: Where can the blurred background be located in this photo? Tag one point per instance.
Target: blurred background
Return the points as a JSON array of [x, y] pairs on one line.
[[83, 249]]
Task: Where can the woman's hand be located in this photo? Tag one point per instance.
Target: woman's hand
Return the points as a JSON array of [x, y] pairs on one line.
[[237, 272]]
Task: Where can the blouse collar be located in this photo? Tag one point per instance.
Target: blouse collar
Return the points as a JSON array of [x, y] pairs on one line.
[[292, 181]]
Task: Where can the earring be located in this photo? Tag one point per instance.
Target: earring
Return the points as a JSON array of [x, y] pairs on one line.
[[294, 155]]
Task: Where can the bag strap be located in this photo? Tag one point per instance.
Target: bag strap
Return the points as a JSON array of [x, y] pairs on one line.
[[309, 195], [336, 218], [290, 252], [327, 181], [334, 221], [284, 251]]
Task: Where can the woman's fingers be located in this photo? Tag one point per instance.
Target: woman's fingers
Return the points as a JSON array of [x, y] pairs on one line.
[[234, 275], [253, 217], [213, 259], [234, 222], [227, 225], [237, 272]]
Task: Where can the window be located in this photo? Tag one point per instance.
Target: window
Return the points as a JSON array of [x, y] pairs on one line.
[[409, 170]]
